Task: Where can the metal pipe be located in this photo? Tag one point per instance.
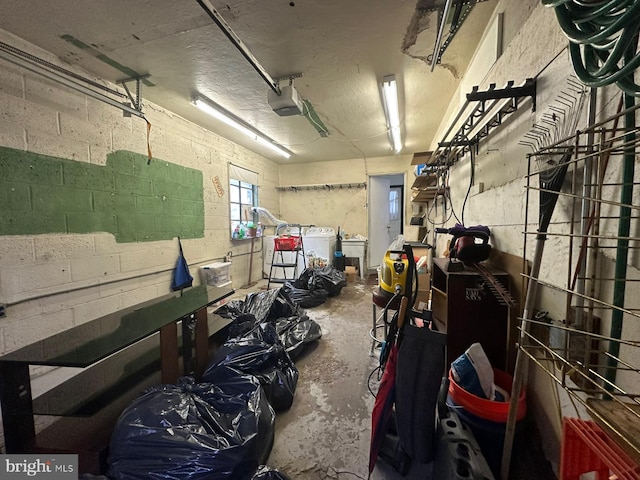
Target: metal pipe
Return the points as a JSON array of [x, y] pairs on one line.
[[436, 47], [622, 250], [41, 70], [584, 213], [520, 369]]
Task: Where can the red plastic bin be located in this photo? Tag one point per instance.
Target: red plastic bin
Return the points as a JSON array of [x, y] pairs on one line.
[[587, 448], [290, 242], [488, 409]]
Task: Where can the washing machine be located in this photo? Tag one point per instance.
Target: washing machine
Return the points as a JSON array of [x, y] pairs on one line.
[[267, 253], [320, 242]]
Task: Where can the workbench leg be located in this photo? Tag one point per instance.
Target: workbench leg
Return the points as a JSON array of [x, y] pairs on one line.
[[202, 342], [169, 353], [17, 407]]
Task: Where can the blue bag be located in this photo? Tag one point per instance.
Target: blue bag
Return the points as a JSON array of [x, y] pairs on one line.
[[181, 276]]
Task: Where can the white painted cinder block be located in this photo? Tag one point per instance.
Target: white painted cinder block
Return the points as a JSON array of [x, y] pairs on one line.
[[15, 250], [95, 309], [148, 256], [77, 128], [48, 94], [105, 244], [57, 146], [139, 295], [69, 299], [99, 267], [60, 247], [125, 285], [30, 330], [12, 80], [28, 115], [17, 282]]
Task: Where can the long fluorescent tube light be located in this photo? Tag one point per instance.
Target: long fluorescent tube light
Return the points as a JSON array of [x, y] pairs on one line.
[[216, 111], [390, 96]]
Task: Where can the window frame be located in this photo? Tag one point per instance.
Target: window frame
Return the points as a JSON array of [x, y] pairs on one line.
[[243, 196]]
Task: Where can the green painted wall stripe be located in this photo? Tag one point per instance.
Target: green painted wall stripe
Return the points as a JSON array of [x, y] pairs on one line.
[[127, 197]]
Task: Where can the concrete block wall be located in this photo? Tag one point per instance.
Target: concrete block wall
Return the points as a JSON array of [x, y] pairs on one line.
[[57, 274], [346, 208], [536, 49]]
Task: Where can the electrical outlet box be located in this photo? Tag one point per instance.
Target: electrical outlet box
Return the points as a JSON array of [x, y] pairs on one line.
[[3, 310]]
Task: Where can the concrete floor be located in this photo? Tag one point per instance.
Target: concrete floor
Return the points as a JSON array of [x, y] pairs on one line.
[[326, 432]]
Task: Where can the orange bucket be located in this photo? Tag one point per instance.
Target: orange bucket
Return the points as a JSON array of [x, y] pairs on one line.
[[488, 409]]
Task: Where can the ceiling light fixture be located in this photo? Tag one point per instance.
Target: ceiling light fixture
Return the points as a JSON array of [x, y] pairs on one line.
[[390, 96], [218, 112]]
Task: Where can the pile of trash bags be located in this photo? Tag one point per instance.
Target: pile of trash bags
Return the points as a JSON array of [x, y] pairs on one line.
[[223, 427], [292, 325], [315, 285]]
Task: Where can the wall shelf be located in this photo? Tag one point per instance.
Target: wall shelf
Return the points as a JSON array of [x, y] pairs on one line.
[[424, 181], [321, 186], [427, 194]]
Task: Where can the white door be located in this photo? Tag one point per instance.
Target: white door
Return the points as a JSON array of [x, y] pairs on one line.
[[379, 228]]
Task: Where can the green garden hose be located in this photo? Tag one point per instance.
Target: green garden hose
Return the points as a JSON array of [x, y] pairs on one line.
[[602, 40]]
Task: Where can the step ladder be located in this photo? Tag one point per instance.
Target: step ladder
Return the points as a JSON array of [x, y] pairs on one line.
[[284, 259]]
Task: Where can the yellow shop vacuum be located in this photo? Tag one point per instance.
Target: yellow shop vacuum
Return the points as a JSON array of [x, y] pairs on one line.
[[393, 272]]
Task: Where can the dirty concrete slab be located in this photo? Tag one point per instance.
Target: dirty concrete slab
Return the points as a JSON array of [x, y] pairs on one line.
[[326, 432]]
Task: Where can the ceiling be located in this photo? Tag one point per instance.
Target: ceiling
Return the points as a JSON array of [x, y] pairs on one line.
[[343, 49]]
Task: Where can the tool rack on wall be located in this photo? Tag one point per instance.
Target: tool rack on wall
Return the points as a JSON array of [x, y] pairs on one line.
[[482, 111], [594, 354], [322, 186]]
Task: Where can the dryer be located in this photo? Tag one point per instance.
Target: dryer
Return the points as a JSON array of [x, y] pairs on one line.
[[321, 242]]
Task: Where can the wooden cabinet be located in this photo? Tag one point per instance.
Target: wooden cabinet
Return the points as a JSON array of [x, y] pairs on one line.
[[465, 308]]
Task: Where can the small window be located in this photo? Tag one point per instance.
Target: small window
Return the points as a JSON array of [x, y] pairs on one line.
[[394, 205], [243, 196]]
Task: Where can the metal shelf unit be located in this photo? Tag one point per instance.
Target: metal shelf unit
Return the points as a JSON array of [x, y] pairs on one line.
[[594, 354]]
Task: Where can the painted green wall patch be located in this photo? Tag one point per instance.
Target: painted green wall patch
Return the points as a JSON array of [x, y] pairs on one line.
[[127, 197]]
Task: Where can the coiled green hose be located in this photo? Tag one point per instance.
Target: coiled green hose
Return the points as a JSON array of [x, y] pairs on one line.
[[600, 32]]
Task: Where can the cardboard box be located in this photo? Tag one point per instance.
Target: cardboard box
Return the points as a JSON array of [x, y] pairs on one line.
[[422, 300], [351, 273], [424, 292], [424, 281]]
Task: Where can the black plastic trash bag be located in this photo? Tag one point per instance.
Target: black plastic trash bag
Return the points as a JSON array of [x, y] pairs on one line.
[[305, 298], [293, 326], [259, 304], [266, 473], [326, 278], [296, 332], [221, 430], [260, 352], [230, 310]]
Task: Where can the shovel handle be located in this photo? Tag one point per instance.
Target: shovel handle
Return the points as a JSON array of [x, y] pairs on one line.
[[402, 312]]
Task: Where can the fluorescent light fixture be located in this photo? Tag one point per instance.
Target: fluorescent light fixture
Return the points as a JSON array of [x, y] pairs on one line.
[[218, 112], [390, 96]]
